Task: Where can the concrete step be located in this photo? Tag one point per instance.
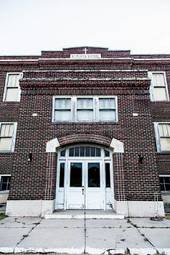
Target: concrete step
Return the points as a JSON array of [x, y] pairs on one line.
[[80, 214]]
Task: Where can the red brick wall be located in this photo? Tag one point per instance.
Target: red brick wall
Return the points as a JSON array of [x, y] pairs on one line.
[[29, 179]]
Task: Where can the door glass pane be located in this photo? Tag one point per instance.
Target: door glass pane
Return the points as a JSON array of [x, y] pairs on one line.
[[93, 175], [107, 174], [62, 166], [76, 175]]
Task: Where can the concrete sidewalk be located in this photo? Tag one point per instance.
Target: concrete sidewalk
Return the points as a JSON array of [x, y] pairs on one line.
[[101, 236]]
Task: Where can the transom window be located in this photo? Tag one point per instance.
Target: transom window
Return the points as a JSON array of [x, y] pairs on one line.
[[7, 136], [163, 136], [84, 151], [12, 89], [85, 109], [158, 90], [164, 183]]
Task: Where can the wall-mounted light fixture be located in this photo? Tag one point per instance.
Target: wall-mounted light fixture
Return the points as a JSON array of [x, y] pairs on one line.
[[140, 159], [30, 157]]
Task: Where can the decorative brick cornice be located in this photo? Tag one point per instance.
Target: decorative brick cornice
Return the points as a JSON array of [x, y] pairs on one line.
[[47, 84]]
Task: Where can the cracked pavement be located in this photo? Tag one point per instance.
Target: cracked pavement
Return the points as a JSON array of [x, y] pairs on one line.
[[102, 236]]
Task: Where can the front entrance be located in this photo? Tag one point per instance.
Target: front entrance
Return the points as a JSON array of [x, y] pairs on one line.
[[85, 186], [84, 178]]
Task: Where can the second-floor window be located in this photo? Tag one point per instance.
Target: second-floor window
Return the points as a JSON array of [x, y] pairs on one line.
[[158, 89], [162, 136], [85, 109], [7, 136], [12, 89]]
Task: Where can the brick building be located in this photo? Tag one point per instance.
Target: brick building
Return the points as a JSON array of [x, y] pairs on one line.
[[85, 127]]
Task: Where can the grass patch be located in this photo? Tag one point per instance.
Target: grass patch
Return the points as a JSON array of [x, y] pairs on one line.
[[167, 216], [2, 216]]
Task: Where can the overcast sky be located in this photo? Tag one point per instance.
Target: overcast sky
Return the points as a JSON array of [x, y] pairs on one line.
[[29, 26]]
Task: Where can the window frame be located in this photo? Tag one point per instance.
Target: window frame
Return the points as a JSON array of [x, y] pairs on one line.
[[164, 175], [6, 86], [150, 75], [74, 118], [13, 137], [7, 190], [157, 136]]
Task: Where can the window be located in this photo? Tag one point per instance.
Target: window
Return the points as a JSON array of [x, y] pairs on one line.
[[5, 182], [12, 88], [62, 109], [164, 182], [85, 109], [107, 109], [162, 136], [158, 89], [84, 151], [7, 136]]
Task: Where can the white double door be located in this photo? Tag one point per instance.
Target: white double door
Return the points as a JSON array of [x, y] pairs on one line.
[[85, 186]]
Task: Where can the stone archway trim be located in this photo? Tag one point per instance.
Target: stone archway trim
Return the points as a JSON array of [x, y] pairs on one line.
[[118, 146], [52, 145]]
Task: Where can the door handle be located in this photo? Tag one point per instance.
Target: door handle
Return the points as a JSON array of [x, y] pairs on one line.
[[82, 190]]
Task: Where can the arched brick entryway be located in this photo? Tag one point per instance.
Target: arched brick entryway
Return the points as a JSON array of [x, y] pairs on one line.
[[115, 145]]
